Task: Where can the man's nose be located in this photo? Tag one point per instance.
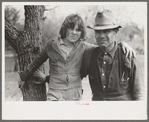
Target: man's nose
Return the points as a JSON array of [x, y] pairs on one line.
[[102, 35]]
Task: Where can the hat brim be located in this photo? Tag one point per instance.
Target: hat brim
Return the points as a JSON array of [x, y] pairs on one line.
[[104, 27]]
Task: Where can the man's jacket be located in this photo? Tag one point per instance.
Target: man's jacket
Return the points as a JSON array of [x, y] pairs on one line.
[[125, 79]]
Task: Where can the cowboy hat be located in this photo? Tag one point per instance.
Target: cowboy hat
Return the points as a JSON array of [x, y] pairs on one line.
[[105, 20]]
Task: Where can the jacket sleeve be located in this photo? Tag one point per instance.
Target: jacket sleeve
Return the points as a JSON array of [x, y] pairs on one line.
[[37, 62], [86, 59], [137, 81]]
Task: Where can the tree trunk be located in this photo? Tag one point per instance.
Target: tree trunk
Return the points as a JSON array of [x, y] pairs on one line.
[[28, 44]]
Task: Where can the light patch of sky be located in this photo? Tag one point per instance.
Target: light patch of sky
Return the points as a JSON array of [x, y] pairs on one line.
[[137, 13], [128, 12], [64, 10]]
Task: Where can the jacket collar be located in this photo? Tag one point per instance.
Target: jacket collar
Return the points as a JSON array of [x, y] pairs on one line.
[[61, 42], [56, 47]]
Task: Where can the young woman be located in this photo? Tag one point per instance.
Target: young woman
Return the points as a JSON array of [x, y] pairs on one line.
[[65, 58]]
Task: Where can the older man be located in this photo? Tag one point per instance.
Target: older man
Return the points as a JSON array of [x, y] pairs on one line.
[[112, 76]]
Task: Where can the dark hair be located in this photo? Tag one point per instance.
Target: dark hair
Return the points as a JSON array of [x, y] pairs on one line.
[[70, 22]]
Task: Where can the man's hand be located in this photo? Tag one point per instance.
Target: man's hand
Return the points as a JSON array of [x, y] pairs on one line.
[[127, 50]]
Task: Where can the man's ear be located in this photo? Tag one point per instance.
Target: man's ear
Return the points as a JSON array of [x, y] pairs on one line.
[[115, 33]]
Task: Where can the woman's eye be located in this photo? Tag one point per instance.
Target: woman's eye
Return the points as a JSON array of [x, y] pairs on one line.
[[78, 30]]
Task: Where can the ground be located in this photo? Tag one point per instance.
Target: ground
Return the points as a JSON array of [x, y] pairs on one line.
[[13, 93]]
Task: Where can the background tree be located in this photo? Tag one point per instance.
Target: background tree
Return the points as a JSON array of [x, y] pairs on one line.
[[12, 15], [28, 44]]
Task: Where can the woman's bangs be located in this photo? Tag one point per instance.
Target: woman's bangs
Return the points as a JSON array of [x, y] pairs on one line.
[[71, 25], [81, 25]]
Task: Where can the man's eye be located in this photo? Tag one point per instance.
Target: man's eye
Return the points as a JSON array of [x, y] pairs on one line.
[[107, 31], [97, 31]]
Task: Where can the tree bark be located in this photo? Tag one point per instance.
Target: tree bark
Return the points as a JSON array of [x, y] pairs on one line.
[[28, 44]]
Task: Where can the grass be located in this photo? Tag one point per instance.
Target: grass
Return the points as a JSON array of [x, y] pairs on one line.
[[13, 93]]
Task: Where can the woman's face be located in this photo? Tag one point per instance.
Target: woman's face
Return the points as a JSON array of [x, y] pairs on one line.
[[73, 35]]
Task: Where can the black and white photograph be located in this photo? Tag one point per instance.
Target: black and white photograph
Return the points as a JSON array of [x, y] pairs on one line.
[[72, 60]]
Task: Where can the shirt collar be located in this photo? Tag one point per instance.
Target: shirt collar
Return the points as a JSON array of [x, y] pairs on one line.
[[111, 52], [60, 42]]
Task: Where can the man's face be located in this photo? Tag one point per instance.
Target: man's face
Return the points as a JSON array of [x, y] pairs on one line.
[[73, 35], [105, 38]]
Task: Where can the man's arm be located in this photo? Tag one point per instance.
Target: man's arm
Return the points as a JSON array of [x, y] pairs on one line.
[[137, 81]]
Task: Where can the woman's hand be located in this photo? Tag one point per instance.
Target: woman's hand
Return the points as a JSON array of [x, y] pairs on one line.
[[128, 50], [39, 77]]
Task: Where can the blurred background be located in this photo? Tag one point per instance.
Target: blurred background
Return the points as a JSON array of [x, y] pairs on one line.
[[132, 16]]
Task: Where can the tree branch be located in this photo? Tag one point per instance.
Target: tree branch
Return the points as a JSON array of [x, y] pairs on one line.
[[11, 34], [51, 8]]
